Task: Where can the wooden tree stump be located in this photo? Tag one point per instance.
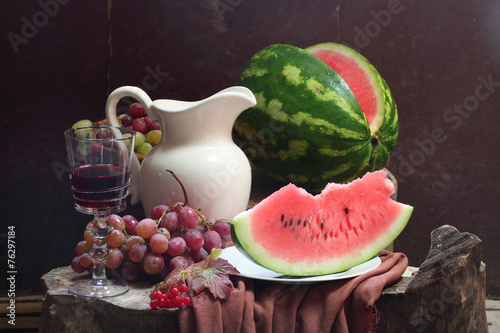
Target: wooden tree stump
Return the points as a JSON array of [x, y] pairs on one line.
[[65, 312], [447, 294]]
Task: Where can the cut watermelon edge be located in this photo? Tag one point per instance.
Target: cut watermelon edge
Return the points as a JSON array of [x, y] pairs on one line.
[[372, 74], [257, 254]]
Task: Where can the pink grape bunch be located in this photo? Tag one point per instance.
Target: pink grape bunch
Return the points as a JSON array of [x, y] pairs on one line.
[[148, 131], [173, 238], [138, 120]]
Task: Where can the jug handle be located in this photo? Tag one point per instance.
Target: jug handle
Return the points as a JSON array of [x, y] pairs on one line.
[[111, 103]]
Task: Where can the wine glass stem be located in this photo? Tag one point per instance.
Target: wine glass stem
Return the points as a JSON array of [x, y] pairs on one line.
[[99, 253]]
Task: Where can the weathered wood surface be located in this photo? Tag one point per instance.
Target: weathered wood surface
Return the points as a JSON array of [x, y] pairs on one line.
[[446, 294], [65, 312]]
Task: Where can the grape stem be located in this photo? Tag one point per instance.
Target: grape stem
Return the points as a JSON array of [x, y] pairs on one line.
[[173, 279], [186, 200]]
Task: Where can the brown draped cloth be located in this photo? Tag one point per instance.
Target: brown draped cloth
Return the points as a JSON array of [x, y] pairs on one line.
[[339, 306]]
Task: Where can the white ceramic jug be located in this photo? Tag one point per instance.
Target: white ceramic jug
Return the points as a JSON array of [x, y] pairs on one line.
[[196, 144]]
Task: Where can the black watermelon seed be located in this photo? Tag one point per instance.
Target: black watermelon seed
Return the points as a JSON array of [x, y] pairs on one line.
[[282, 217], [304, 223], [346, 210], [321, 225], [298, 222], [284, 225]]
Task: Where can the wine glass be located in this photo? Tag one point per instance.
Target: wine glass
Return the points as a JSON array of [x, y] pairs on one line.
[[100, 159]]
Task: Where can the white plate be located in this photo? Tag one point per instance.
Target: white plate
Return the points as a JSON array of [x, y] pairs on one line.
[[249, 269]]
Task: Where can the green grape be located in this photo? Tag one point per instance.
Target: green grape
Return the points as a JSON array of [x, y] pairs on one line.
[[139, 140], [83, 133], [127, 142], [153, 136], [82, 149], [82, 123], [144, 148]]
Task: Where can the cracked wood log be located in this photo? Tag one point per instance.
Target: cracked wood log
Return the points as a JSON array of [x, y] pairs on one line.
[[447, 293], [65, 312]]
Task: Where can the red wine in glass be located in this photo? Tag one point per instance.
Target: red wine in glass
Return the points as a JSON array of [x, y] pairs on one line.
[[100, 157], [100, 186]]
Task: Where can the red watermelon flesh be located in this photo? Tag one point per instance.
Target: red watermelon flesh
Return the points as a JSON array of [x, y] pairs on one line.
[[355, 78], [295, 233], [360, 76]]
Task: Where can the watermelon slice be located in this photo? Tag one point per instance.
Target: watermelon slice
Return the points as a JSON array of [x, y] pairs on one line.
[[295, 233], [369, 88]]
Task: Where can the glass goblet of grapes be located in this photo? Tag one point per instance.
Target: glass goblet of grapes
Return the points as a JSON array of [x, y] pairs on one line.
[[100, 158]]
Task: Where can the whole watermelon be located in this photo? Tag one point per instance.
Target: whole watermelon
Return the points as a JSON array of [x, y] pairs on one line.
[[307, 127]]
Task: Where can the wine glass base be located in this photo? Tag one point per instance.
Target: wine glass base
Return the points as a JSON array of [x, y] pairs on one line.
[[88, 288], [112, 209]]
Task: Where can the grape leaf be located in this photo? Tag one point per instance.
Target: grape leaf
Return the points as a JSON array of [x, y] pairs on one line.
[[214, 275], [174, 279]]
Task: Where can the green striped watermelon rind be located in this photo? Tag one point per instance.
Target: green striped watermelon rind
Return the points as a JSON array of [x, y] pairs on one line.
[[282, 138], [386, 130], [386, 107]]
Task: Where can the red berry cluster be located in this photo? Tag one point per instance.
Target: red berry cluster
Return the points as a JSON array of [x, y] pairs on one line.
[[175, 298]]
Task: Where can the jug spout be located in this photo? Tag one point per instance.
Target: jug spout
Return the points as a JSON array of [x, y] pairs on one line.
[[239, 99], [246, 97]]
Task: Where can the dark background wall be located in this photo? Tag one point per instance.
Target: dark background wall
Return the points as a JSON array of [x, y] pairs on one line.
[[60, 59]]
